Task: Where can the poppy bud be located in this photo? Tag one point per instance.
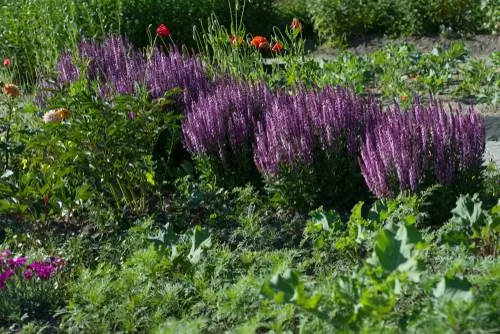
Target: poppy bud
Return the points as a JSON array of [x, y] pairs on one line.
[[162, 31]]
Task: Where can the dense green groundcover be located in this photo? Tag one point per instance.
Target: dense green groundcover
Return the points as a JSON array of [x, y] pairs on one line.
[[145, 189]]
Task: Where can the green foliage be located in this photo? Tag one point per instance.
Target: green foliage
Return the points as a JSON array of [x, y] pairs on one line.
[[83, 182], [342, 21], [473, 226], [288, 288], [339, 186], [390, 291], [100, 154], [34, 32], [115, 294]]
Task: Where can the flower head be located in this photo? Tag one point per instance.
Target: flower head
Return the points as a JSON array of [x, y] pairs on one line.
[[260, 42], [57, 262], [56, 116], [162, 31], [6, 62], [5, 253], [10, 90], [296, 25], [28, 274], [277, 47], [7, 274], [17, 262], [43, 270]]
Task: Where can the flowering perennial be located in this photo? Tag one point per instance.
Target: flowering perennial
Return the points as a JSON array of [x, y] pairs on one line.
[[224, 119], [10, 90], [165, 71], [260, 42], [423, 146], [119, 68], [298, 127], [10, 265]]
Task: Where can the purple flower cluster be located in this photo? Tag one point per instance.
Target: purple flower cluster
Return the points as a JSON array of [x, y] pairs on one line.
[[121, 69], [280, 129], [296, 127], [67, 70], [424, 145], [42, 269], [165, 71], [223, 119]]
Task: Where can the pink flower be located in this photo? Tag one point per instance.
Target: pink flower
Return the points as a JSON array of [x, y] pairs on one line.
[[6, 62]]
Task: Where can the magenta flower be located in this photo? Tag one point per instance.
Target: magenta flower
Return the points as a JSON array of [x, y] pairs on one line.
[[28, 274], [43, 270], [6, 275], [18, 261]]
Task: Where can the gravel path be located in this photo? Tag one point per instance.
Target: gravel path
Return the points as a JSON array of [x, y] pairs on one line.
[[492, 138]]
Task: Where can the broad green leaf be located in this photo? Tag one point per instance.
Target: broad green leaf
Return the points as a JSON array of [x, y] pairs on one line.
[[454, 289], [166, 237], [287, 287], [200, 241], [283, 287], [396, 250]]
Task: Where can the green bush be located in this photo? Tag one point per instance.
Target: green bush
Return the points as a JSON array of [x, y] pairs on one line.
[[342, 20], [34, 32]]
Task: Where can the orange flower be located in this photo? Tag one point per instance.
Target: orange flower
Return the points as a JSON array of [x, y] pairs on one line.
[[260, 42], [404, 97], [56, 116], [10, 90], [277, 47], [296, 25]]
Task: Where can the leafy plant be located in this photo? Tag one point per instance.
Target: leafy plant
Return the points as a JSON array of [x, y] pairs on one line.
[[473, 226]]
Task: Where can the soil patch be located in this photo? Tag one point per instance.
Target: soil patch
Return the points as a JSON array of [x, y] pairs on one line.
[[478, 46]]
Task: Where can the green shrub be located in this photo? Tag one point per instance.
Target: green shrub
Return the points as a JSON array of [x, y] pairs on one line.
[[343, 20], [34, 32]]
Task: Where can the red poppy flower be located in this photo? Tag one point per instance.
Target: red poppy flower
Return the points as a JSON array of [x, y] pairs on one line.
[[296, 25], [260, 42], [277, 47], [162, 31], [6, 62]]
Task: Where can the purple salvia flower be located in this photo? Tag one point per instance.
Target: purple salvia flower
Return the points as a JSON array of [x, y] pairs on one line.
[[67, 70], [424, 144]]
